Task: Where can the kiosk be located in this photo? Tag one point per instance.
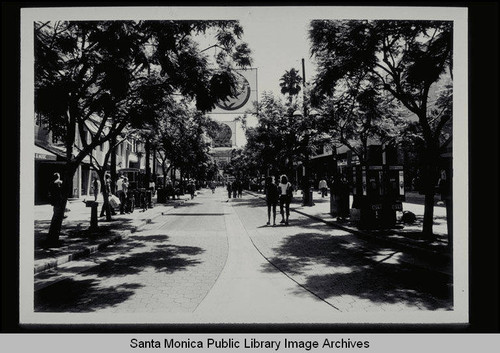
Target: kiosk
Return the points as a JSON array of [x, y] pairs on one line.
[[378, 192]]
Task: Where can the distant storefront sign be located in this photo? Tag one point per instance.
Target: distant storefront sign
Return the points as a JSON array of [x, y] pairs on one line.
[[43, 155]]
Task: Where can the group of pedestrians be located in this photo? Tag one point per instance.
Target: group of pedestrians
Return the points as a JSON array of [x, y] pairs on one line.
[[235, 189], [278, 192], [126, 199]]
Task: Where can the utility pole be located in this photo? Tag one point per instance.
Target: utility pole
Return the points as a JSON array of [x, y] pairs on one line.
[[304, 87], [306, 186]]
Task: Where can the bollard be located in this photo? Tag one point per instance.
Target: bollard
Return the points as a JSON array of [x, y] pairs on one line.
[[94, 205], [310, 203], [307, 198]]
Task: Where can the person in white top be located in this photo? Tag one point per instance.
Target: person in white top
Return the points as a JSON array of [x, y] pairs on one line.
[[120, 194], [323, 187], [285, 193]]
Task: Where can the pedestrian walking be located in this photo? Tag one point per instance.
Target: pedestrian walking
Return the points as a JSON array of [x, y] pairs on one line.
[[272, 195], [323, 187], [445, 190], [191, 188], [169, 190], [240, 188], [212, 186], [125, 204], [342, 195], [285, 194], [229, 189], [235, 189], [120, 193], [178, 190], [152, 186], [96, 184], [107, 190]]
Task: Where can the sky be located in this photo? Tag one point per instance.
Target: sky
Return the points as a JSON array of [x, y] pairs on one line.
[[278, 43], [278, 38]]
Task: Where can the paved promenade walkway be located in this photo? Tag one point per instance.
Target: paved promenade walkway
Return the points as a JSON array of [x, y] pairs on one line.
[[214, 260], [75, 246]]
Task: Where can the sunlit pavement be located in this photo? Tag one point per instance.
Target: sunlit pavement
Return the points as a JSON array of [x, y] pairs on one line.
[[214, 260]]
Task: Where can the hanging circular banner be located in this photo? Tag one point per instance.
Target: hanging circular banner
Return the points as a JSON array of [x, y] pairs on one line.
[[241, 97]]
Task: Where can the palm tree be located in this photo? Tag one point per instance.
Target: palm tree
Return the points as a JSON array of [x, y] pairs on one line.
[[290, 83]]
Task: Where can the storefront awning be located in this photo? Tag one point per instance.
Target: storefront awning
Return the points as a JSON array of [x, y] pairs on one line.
[[44, 155]]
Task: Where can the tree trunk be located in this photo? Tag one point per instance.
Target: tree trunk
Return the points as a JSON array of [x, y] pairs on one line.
[[430, 180], [148, 167], [164, 173], [113, 164], [56, 222], [428, 214], [154, 161]]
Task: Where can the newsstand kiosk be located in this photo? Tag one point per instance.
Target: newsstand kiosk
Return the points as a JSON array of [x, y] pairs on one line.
[[378, 192]]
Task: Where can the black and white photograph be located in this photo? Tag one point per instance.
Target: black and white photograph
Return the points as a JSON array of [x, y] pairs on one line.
[[246, 165], [258, 177]]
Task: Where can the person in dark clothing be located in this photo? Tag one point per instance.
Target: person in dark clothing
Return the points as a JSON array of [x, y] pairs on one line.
[[97, 187], [55, 190], [235, 188], [107, 189], [240, 188], [342, 195], [446, 192], [170, 190], [191, 189], [272, 195], [229, 189], [57, 201]]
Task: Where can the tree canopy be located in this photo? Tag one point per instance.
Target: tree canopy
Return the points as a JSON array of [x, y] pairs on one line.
[[115, 73], [408, 60]]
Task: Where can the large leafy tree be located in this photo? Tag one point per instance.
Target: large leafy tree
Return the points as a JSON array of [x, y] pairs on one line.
[[181, 136], [88, 68], [356, 114], [407, 59], [277, 142]]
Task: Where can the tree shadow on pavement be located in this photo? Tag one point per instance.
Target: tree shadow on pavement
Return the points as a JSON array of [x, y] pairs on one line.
[[72, 295], [75, 235], [330, 267], [91, 290], [145, 251]]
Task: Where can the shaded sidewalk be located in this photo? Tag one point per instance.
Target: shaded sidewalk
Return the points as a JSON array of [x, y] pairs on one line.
[[405, 237], [76, 241]]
